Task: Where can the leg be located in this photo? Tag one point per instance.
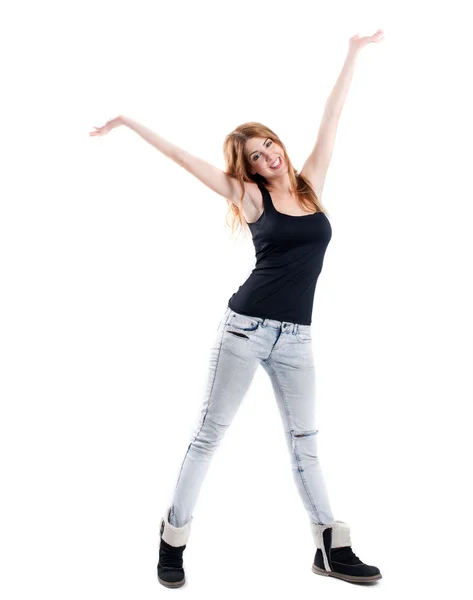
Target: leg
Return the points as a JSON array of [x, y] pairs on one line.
[[291, 370], [233, 363]]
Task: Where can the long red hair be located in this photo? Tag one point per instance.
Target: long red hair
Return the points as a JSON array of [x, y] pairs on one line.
[[239, 167]]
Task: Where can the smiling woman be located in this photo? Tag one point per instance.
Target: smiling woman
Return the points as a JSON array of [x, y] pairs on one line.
[[255, 155], [267, 322]]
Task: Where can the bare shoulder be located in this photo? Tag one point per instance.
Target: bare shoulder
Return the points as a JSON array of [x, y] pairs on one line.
[[315, 182], [252, 206]]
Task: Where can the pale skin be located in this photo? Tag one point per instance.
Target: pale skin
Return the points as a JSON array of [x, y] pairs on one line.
[[262, 152]]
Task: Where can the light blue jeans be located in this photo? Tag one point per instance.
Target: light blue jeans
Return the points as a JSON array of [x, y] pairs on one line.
[[284, 349]]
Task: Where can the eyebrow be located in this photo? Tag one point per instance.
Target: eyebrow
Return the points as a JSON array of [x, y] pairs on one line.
[[264, 141]]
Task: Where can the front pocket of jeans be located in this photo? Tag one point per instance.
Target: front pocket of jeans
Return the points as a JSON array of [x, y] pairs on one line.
[[243, 323], [304, 336]]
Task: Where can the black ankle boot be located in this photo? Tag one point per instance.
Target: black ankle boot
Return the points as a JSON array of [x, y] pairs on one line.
[[172, 544], [334, 556]]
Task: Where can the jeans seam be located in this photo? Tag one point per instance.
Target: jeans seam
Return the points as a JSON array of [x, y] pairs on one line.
[[209, 399], [294, 442]]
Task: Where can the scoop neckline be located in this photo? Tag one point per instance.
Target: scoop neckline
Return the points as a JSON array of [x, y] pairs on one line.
[[319, 212], [285, 214]]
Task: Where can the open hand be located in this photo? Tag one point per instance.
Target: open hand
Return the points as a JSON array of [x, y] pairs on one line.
[[356, 43], [109, 125]]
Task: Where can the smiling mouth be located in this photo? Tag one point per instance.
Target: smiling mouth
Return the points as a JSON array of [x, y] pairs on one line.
[[277, 164]]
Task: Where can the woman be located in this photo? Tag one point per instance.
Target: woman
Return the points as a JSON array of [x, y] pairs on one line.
[[267, 321]]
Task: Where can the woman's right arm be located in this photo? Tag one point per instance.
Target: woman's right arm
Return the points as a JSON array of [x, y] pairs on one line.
[[211, 176]]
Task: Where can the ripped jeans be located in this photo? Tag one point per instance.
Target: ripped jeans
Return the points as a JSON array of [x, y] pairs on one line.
[[285, 351]]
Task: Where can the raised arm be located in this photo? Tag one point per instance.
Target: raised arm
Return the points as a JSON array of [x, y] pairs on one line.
[[211, 176], [316, 166]]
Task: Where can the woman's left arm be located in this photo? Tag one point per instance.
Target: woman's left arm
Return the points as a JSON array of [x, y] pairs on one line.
[[316, 166]]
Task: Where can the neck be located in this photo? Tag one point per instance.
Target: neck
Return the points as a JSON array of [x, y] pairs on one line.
[[280, 185]]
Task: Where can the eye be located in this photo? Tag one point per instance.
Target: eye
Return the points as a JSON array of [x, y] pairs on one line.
[[255, 157]]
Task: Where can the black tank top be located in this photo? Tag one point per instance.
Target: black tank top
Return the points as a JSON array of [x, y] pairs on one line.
[[289, 257]]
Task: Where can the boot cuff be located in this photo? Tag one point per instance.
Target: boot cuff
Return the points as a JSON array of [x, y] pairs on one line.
[[340, 534], [175, 536]]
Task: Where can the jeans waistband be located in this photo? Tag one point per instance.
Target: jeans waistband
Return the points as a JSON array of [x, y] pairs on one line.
[[286, 326]]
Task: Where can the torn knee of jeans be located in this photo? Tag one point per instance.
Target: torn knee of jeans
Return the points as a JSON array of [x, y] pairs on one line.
[[302, 434]]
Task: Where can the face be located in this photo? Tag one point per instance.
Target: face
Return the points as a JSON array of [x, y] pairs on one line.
[[263, 154]]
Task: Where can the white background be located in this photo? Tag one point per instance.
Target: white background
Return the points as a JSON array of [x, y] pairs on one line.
[[116, 267]]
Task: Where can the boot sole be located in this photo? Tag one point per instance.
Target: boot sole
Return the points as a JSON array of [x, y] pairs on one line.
[[171, 584], [351, 578]]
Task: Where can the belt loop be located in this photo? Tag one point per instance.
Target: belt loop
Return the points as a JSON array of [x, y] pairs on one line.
[[296, 328]]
